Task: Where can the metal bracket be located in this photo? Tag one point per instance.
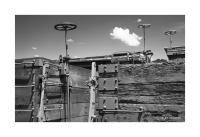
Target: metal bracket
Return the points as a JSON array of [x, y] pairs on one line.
[[109, 68], [106, 84], [108, 103]]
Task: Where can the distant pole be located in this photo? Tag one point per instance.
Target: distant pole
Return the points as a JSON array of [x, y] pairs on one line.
[[144, 26], [66, 26], [170, 33]]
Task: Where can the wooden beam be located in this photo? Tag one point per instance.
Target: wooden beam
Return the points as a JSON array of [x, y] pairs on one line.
[[92, 93], [41, 115]]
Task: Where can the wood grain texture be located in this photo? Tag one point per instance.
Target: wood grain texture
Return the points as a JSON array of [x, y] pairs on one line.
[[77, 110], [157, 88], [78, 95], [25, 97], [154, 112], [165, 72], [23, 76], [23, 116]]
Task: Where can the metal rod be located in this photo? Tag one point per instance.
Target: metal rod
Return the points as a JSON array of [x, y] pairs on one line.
[[67, 80], [144, 37], [66, 26], [170, 40], [68, 100], [66, 43], [170, 33], [144, 26]]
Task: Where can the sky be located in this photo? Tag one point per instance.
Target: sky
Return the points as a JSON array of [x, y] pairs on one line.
[[95, 35]]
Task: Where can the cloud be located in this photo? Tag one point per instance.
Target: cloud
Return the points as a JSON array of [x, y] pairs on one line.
[[70, 40], [36, 55], [125, 36], [139, 20], [34, 48]]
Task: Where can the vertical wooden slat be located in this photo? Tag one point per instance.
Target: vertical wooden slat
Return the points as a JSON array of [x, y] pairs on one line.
[[41, 115], [92, 92]]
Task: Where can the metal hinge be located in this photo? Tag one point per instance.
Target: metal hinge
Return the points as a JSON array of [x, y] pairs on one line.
[[109, 68], [108, 103], [106, 84]]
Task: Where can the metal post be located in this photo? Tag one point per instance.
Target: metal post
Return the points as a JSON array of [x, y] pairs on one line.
[[67, 80], [170, 40], [66, 26], [144, 26], [170, 33], [144, 37]]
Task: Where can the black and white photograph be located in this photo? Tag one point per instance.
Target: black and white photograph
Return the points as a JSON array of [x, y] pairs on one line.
[[100, 68]]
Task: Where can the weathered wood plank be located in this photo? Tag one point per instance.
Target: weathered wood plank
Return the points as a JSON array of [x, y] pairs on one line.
[[54, 94], [133, 117], [75, 90], [153, 107], [79, 76], [23, 116], [161, 99], [152, 113], [77, 110], [73, 119], [80, 119], [23, 76], [52, 98], [166, 72], [150, 117], [23, 96], [158, 88]]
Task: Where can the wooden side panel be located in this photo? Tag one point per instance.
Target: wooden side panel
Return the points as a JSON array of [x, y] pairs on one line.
[[157, 88], [23, 96], [146, 73], [158, 112], [23, 76], [79, 96], [23, 116], [79, 76], [124, 117], [78, 110]]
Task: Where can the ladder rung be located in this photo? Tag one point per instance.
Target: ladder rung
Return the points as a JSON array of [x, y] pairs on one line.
[[24, 63], [25, 86], [23, 110], [54, 84]]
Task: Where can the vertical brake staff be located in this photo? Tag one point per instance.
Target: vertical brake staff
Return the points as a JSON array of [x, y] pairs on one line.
[[66, 26], [144, 26], [170, 33]]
